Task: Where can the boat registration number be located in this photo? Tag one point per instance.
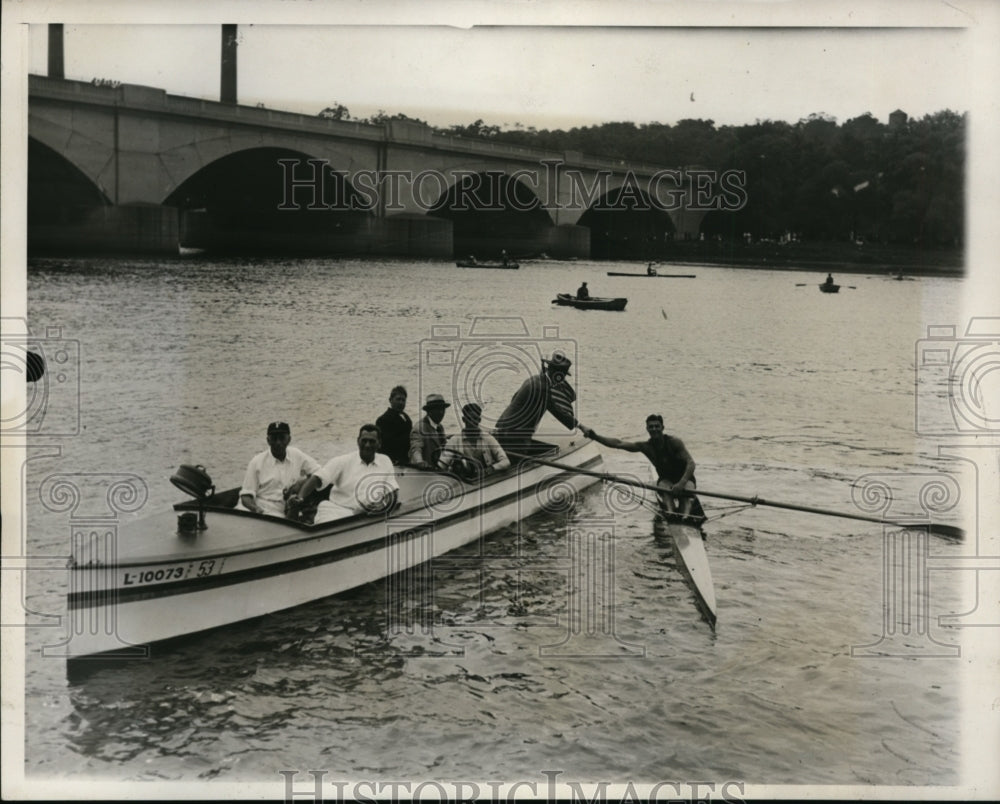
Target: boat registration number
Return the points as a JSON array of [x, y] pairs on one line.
[[177, 572]]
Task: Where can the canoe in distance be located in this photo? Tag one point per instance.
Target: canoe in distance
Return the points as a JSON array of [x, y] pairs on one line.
[[509, 266], [593, 303], [654, 276]]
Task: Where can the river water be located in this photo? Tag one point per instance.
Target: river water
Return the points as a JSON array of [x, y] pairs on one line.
[[777, 390]]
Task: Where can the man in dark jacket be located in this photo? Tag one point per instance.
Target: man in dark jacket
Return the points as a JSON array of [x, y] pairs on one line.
[[546, 391], [428, 438], [396, 426]]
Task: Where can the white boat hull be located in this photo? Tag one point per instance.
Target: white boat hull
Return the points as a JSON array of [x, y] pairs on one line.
[[156, 584], [692, 560]]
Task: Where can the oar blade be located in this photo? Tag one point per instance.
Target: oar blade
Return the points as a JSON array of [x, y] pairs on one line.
[[951, 532]]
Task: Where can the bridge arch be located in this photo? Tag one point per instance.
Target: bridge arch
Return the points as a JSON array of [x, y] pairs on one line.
[[491, 211], [627, 223], [59, 191], [267, 195]]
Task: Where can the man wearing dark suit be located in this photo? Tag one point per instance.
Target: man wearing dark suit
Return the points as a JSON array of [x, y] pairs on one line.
[[396, 426], [427, 439]]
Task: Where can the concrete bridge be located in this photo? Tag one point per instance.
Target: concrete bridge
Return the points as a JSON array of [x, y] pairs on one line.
[[131, 168]]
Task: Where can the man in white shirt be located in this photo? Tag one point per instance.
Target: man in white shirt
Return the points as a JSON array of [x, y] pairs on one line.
[[275, 472], [362, 481]]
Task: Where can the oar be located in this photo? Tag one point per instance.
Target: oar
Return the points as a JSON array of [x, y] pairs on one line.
[[949, 531]]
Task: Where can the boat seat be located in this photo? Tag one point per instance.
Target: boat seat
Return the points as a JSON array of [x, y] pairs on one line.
[[225, 499]]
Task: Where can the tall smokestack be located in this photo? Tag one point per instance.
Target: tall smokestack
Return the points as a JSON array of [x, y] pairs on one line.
[[56, 65], [227, 92]]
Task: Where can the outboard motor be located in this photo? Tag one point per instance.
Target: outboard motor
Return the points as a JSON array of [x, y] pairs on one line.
[[194, 481]]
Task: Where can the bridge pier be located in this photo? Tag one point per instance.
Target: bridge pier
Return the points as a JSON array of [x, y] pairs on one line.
[[121, 229]]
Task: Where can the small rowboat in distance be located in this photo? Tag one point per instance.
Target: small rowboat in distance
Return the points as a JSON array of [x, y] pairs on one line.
[[593, 303], [685, 535], [509, 265], [207, 564], [826, 287], [654, 276]]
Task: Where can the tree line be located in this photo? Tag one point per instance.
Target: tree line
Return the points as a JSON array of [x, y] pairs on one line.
[[861, 180]]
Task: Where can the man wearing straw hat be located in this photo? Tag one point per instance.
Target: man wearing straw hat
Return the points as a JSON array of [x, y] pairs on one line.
[[427, 438]]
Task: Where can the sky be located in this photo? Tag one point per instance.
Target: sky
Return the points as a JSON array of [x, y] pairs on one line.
[[540, 75]]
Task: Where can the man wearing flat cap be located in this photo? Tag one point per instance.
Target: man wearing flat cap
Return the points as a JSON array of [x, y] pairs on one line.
[[427, 439], [274, 472], [545, 391]]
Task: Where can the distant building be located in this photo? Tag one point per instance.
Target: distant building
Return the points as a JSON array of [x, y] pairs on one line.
[[897, 118]]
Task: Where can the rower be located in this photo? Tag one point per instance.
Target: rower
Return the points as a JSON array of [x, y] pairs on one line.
[[673, 463], [582, 292], [651, 269], [829, 279]]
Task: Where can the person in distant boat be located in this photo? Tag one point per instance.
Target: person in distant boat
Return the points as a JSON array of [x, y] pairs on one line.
[[275, 473], [651, 269], [396, 425], [472, 453], [471, 258], [428, 438], [545, 391], [829, 279], [582, 292], [503, 257], [673, 463], [362, 481]]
